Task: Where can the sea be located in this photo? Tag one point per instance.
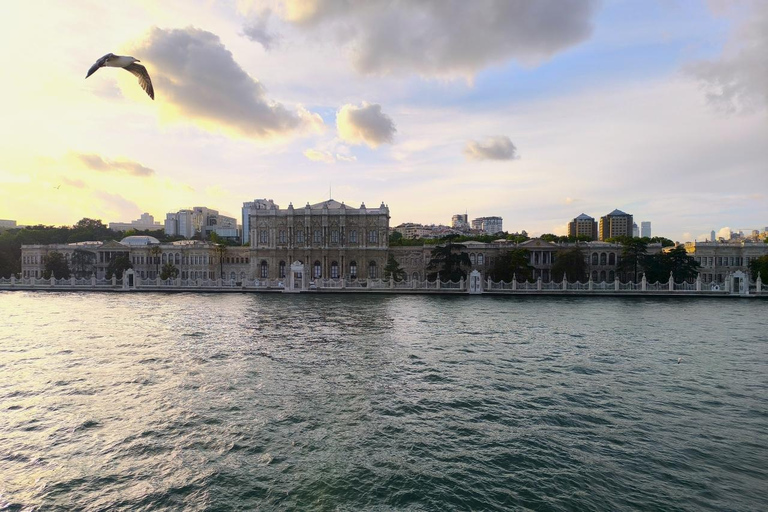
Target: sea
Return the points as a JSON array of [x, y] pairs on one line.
[[360, 402]]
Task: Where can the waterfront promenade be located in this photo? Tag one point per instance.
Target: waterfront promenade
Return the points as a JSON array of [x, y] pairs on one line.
[[735, 285]]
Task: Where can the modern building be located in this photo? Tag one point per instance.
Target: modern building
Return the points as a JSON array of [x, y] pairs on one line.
[[583, 225], [645, 229], [460, 221], [635, 230], [616, 223], [7, 224], [330, 239], [200, 221], [489, 225], [143, 223], [256, 204]]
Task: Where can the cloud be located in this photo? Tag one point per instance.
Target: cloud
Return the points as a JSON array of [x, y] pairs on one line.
[[738, 80], [195, 73], [73, 183], [446, 37], [256, 29], [116, 206], [724, 233], [366, 124], [97, 163], [317, 155], [494, 148]]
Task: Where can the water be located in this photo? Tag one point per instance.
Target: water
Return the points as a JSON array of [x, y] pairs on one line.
[[340, 402]]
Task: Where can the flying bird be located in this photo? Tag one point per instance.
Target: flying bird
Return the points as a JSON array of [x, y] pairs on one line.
[[129, 64]]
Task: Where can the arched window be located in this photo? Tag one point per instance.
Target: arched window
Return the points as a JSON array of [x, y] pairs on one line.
[[232, 276], [472, 259], [334, 270], [480, 259], [612, 259], [178, 259], [602, 258], [264, 269], [242, 276], [602, 275], [281, 273], [611, 275], [594, 258], [353, 236], [165, 258], [594, 272], [318, 270], [415, 276], [353, 270], [372, 270]]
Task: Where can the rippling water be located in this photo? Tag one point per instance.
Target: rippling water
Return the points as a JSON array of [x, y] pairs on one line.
[[343, 402]]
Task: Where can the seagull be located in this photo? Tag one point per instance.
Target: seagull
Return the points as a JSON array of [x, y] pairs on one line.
[[679, 359], [129, 64]]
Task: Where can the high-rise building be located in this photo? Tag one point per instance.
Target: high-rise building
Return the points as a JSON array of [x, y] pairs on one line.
[[635, 230], [248, 207], [460, 221], [645, 229], [616, 223], [489, 225], [202, 221], [583, 225], [712, 236]]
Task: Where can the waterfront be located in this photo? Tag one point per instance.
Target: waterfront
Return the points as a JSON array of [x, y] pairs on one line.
[[224, 402]]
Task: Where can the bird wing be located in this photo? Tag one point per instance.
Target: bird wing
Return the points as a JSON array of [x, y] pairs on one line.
[[99, 63], [141, 72]]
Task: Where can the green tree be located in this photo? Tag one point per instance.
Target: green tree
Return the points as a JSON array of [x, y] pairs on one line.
[[665, 242], [56, 265], [82, 263], [448, 261], [658, 266], [155, 251], [633, 254], [221, 255], [759, 265], [393, 270], [571, 263], [510, 265], [169, 271], [118, 265], [395, 238]]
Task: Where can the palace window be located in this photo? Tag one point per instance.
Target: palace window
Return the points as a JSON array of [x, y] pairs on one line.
[[281, 271], [282, 236], [353, 236], [263, 236], [372, 270], [318, 236], [472, 258], [335, 270], [300, 236], [611, 259], [373, 236], [480, 259], [264, 269], [334, 237], [353, 270], [317, 270]]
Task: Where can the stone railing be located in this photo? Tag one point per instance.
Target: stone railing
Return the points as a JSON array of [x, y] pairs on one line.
[[616, 287]]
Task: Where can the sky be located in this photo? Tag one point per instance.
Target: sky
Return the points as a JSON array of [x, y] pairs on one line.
[[532, 111]]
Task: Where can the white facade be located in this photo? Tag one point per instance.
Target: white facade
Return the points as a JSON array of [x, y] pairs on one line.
[[490, 225], [7, 223]]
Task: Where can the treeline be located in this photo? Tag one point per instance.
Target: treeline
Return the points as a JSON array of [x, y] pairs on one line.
[[85, 230]]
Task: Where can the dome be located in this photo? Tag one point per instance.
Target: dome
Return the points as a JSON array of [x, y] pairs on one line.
[[139, 240]]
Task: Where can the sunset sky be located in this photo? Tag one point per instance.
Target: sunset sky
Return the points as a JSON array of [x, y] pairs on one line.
[[532, 111]]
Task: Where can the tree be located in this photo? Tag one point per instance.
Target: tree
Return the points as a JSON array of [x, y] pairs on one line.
[[633, 254], [395, 237], [156, 251], [682, 266], [118, 265], [221, 254], [56, 265], [571, 263], [448, 261], [511, 264], [393, 270], [658, 266], [665, 242], [169, 271], [759, 265], [82, 262]]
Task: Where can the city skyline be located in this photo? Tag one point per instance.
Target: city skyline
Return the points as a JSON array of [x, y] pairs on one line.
[[654, 108]]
